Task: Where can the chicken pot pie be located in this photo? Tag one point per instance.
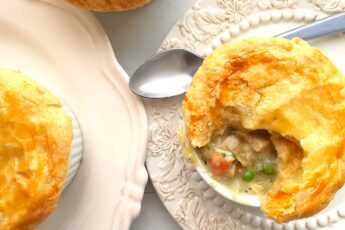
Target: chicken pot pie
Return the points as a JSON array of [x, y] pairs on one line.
[[35, 139], [270, 112]]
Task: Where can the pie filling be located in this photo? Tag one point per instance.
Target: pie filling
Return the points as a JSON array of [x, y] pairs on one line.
[[242, 160]]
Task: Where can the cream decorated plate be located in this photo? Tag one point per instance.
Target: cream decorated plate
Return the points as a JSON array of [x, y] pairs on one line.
[[66, 50], [210, 23]]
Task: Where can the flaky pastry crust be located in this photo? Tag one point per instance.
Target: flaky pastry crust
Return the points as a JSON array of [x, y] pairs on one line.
[[35, 138], [293, 91], [109, 5]]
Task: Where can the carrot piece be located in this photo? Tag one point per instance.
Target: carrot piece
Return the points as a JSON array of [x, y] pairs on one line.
[[218, 164]]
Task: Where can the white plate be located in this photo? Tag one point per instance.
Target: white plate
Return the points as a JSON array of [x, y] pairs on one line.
[[66, 50], [210, 23]]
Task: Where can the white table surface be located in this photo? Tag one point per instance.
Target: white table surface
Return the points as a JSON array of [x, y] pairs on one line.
[[136, 35]]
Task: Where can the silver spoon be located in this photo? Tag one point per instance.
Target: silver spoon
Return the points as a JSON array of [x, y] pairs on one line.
[[169, 73]]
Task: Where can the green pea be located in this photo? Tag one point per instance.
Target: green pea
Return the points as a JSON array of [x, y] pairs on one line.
[[269, 168], [248, 175]]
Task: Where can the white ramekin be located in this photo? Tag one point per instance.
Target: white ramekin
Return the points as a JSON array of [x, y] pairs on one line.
[[76, 151]]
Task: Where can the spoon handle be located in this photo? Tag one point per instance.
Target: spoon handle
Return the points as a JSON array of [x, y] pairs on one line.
[[329, 25]]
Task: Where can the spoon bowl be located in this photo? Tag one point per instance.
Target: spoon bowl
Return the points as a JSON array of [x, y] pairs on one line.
[[166, 74]]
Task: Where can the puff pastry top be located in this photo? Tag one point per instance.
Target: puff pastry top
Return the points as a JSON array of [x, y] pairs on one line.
[[109, 5], [35, 138], [293, 91]]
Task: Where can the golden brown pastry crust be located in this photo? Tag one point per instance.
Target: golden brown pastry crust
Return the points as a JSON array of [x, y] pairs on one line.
[[35, 138], [109, 5], [293, 91]]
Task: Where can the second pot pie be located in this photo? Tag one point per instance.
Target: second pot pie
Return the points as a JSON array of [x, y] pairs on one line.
[[35, 139], [109, 5], [294, 95]]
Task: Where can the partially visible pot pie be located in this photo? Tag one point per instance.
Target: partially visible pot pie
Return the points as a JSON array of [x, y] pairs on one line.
[[274, 108], [109, 5], [35, 139]]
